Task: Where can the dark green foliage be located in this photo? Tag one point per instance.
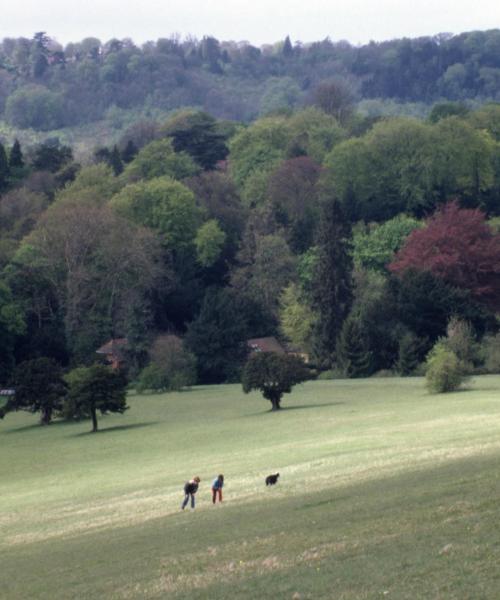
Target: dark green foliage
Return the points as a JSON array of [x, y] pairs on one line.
[[332, 283], [442, 110], [39, 387], [51, 156], [274, 375], [95, 388], [16, 159], [197, 134], [424, 304], [217, 337], [4, 168], [12, 326], [115, 161], [129, 152], [410, 353], [353, 353]]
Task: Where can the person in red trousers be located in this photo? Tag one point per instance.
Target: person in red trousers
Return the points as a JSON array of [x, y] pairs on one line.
[[217, 486]]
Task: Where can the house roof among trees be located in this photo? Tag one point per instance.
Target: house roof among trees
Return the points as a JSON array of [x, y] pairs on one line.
[[113, 347], [266, 344]]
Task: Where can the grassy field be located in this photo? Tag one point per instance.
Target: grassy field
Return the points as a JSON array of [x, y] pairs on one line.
[[386, 491]]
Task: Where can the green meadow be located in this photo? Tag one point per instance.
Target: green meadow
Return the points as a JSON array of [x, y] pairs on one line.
[[386, 491]]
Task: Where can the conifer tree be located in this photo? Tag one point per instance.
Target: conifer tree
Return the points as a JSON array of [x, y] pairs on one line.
[[4, 168], [332, 282], [16, 159], [115, 161], [353, 353], [129, 152]]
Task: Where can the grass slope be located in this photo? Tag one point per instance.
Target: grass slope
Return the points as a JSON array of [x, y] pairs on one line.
[[386, 491]]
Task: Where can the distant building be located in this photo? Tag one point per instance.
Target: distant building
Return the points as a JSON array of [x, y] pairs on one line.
[[114, 352], [271, 344], [265, 344]]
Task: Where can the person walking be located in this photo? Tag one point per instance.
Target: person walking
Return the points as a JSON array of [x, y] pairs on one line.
[[190, 489], [217, 486]]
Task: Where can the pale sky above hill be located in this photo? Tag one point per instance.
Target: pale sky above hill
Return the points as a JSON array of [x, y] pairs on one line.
[[258, 21]]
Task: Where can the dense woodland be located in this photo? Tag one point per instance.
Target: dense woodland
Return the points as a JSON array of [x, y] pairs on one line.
[[360, 241], [46, 86]]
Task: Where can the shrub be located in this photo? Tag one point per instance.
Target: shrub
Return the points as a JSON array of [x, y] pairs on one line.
[[172, 367], [490, 352], [444, 371]]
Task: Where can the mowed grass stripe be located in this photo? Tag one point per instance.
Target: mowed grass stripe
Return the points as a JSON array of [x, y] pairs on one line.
[[367, 467]]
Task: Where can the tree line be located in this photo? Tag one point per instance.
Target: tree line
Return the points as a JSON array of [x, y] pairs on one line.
[[46, 86], [362, 243]]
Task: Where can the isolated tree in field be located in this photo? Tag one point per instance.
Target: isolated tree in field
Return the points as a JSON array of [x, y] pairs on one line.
[[39, 387], [273, 374], [458, 246], [332, 281], [96, 388], [444, 370]]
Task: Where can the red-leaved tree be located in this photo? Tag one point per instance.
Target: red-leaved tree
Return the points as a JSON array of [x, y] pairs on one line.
[[458, 246]]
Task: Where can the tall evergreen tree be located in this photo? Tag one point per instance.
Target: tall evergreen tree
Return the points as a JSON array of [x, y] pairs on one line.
[[353, 353], [287, 47], [115, 161], [16, 159], [4, 168], [129, 152], [332, 286]]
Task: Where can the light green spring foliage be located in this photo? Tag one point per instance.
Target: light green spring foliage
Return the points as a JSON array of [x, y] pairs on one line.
[[490, 353], [280, 93], [158, 159], [163, 204], [487, 118], [398, 164], [296, 317], [375, 246], [11, 317], [93, 185], [209, 242], [256, 151], [444, 370]]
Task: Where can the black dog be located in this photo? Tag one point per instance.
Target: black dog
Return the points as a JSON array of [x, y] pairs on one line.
[[272, 479]]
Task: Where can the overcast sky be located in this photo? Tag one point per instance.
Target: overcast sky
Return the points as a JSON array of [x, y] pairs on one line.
[[258, 21]]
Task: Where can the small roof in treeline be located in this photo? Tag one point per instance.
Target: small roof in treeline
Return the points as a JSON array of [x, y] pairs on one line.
[[113, 346], [266, 344]]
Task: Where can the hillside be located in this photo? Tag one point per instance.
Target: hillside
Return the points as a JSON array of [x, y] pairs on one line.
[[385, 490], [46, 86]]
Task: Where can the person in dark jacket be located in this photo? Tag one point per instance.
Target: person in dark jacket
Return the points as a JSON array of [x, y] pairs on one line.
[[217, 485], [190, 489]]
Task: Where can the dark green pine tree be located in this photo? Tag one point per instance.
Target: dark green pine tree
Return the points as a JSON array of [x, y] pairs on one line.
[[4, 169], [332, 281], [353, 353], [16, 159], [287, 47], [115, 161], [410, 353], [129, 152]]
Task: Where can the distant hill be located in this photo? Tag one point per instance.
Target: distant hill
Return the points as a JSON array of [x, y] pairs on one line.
[[46, 87]]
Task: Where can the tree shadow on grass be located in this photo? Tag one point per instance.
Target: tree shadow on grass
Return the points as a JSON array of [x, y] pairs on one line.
[[298, 407], [37, 426], [116, 428]]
